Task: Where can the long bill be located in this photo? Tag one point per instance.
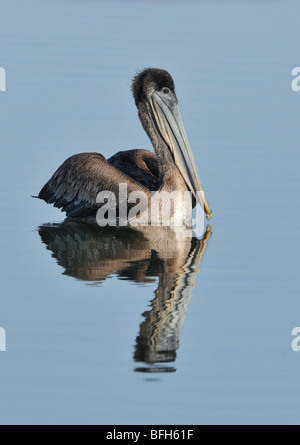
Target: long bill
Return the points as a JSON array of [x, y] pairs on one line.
[[169, 121]]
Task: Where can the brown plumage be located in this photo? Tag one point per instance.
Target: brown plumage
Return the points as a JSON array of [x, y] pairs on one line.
[[76, 183], [74, 186]]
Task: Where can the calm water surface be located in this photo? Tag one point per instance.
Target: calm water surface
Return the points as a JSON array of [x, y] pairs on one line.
[[103, 326]]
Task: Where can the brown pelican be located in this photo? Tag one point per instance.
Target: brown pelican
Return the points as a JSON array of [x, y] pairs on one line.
[[76, 183]]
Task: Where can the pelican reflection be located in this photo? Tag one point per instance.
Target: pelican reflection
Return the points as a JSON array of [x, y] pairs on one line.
[[90, 253]]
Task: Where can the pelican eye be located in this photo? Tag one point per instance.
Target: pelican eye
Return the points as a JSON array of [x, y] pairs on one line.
[[166, 90]]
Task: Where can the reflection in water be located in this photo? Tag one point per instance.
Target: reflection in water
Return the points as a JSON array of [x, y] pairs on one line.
[[91, 253]]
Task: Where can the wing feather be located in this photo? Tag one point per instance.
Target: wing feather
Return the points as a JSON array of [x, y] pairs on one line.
[[74, 186]]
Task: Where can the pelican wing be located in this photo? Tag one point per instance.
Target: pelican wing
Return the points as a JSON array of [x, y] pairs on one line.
[[140, 165], [76, 183]]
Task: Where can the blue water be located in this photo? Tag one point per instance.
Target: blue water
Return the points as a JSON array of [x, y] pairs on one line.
[[77, 321]]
